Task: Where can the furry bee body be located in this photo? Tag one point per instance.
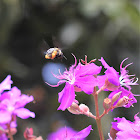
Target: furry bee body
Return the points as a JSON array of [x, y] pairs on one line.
[[53, 53]]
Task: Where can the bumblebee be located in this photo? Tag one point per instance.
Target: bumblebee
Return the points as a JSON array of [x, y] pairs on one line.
[[54, 53]]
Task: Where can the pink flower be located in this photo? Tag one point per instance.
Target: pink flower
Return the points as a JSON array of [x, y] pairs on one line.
[[119, 80], [67, 133], [12, 104], [127, 130], [77, 78], [116, 82]]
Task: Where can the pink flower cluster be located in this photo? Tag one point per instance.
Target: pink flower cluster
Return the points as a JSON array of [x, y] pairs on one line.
[[79, 77], [118, 83], [85, 77], [12, 104]]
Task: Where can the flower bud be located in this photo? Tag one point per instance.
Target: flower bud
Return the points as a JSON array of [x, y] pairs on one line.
[[116, 97], [74, 108], [123, 101], [13, 131], [84, 108], [28, 134], [107, 103]]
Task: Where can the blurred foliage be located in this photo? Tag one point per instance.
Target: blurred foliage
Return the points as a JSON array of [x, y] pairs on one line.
[[96, 28]]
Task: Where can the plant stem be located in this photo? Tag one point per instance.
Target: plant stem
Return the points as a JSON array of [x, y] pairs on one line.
[[98, 119], [98, 122], [9, 133]]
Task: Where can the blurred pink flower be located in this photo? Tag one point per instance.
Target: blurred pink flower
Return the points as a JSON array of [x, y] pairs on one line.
[[67, 133], [12, 104]]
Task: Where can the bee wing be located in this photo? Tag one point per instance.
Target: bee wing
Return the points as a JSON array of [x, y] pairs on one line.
[[44, 47], [56, 43]]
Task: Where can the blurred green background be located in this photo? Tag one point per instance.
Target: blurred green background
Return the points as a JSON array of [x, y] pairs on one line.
[[83, 27]]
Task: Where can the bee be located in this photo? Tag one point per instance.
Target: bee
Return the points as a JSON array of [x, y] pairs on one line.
[[55, 52]]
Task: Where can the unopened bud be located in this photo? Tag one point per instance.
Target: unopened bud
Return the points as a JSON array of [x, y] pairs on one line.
[[116, 97], [123, 101], [110, 86], [13, 131], [28, 134], [84, 108], [113, 133], [74, 108], [107, 103]]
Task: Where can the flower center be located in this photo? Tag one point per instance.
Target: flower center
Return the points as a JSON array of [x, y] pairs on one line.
[[70, 77], [10, 108]]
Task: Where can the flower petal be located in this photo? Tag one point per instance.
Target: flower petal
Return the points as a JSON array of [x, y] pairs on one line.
[[90, 69], [5, 95], [111, 73], [86, 83], [104, 63], [126, 129], [66, 97], [60, 95], [6, 84], [83, 133], [23, 100], [11, 95], [3, 137], [113, 76], [24, 113], [101, 80], [63, 133], [5, 117]]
